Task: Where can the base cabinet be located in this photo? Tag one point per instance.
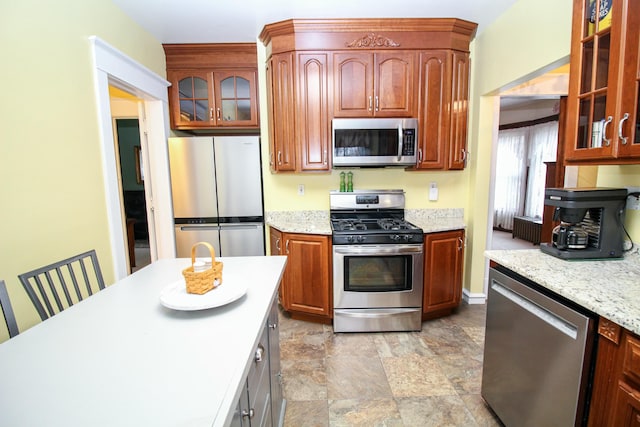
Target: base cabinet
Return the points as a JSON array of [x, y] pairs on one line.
[[305, 290], [616, 386], [444, 256], [261, 400]]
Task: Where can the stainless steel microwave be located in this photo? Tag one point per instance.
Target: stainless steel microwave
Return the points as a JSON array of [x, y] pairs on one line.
[[374, 142]]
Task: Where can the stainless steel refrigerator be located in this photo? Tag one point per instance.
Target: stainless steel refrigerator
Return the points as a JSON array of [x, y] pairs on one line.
[[216, 184]]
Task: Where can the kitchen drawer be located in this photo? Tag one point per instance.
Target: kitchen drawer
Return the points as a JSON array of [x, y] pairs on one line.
[[260, 362], [631, 364]]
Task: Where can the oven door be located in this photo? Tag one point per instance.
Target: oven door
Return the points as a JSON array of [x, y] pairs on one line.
[[377, 276]]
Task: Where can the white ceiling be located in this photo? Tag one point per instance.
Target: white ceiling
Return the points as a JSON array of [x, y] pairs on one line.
[[216, 21]]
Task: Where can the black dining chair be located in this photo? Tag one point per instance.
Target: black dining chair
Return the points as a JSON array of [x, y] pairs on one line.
[[74, 278], [7, 311]]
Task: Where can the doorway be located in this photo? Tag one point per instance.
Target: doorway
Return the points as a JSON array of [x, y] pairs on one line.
[[133, 191], [113, 68]]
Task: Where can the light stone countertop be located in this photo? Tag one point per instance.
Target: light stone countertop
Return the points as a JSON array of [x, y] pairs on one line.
[[609, 288], [317, 222]]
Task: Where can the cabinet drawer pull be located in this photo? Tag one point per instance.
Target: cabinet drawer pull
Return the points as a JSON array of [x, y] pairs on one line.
[[259, 356], [606, 141], [622, 120]]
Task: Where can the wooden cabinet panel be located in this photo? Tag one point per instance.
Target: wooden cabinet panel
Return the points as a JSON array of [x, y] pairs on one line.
[[313, 125], [459, 111], [603, 123], [434, 120], [353, 84], [444, 255], [394, 84], [305, 290], [379, 84], [235, 98], [280, 96]]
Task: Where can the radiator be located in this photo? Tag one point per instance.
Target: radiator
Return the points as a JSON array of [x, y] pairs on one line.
[[527, 228]]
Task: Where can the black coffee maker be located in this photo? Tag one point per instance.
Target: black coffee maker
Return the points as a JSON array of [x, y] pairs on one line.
[[591, 222]]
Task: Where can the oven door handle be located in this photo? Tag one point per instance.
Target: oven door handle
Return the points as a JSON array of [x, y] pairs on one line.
[[377, 249], [374, 312]]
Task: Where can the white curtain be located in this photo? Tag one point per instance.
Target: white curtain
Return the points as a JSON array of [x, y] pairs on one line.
[[510, 176], [543, 143]]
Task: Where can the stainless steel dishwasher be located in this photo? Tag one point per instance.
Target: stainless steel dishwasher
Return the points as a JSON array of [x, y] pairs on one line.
[[537, 355]]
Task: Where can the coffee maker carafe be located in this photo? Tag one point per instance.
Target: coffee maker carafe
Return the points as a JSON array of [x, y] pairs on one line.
[[590, 222], [569, 234]]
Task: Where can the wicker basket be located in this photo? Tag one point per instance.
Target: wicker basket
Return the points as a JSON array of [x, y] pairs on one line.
[[201, 282]]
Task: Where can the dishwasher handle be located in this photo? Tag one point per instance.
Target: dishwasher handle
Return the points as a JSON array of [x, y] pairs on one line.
[[537, 310]]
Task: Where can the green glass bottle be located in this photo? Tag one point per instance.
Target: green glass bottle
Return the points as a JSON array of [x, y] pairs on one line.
[[349, 181], [342, 185]]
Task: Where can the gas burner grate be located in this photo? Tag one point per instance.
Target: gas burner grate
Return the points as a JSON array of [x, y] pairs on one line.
[[349, 225]]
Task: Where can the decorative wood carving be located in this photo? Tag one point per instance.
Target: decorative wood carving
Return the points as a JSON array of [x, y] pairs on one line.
[[609, 330], [373, 40]]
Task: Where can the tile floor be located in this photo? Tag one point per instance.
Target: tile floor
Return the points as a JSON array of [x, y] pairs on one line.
[[427, 378]]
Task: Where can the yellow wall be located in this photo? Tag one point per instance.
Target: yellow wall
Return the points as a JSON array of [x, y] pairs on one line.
[[623, 176], [52, 192]]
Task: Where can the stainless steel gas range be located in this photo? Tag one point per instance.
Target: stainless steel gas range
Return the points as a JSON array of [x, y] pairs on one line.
[[377, 263]]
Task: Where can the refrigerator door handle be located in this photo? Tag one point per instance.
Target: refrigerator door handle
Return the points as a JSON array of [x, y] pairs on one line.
[[199, 227]]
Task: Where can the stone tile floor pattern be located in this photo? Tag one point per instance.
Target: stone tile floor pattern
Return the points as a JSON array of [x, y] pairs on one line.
[[421, 379]]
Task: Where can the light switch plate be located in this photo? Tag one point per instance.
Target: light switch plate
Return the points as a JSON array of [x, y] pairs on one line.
[[433, 191], [300, 189]]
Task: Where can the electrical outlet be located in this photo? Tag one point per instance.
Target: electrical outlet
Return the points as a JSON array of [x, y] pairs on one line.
[[633, 202], [433, 191], [300, 189]]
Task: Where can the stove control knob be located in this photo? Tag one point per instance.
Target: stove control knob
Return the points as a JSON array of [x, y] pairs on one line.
[[395, 237], [360, 239], [350, 239], [407, 237]]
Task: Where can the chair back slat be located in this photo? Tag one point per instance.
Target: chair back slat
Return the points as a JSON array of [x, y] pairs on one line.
[[7, 311], [75, 272]]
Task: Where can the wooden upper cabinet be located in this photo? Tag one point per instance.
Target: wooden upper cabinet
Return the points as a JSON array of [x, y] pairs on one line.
[[603, 124], [381, 67], [379, 85], [281, 100], [443, 109], [313, 124], [459, 111], [212, 85]]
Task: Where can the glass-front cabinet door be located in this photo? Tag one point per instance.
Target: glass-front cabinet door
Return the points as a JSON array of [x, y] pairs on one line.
[[236, 104], [602, 117], [191, 94]]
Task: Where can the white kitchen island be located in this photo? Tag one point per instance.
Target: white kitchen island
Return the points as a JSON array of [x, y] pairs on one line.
[[120, 358]]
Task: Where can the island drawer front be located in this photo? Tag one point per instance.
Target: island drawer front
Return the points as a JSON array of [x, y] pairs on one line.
[[260, 362]]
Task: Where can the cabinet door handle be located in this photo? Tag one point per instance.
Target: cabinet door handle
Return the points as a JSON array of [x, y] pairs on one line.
[[259, 356], [279, 157], [248, 414], [325, 157], [286, 247], [218, 113], [419, 155], [622, 120], [464, 155], [273, 325], [377, 103], [370, 103], [271, 159], [461, 242], [211, 113], [278, 244], [606, 141]]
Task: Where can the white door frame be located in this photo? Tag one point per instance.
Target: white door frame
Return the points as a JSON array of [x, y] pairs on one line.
[[113, 67]]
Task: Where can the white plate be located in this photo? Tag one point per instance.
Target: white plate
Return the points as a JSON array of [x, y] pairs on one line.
[[175, 296]]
